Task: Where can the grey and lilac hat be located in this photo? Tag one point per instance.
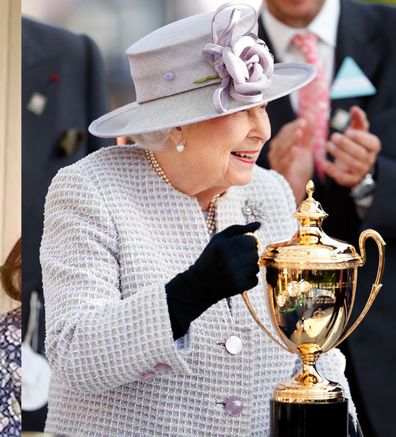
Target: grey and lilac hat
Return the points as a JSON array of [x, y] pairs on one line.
[[199, 68]]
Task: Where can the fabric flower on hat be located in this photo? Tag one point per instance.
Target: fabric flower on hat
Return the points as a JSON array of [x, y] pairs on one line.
[[245, 65]]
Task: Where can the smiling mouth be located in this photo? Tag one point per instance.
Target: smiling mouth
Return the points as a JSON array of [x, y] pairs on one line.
[[248, 156]]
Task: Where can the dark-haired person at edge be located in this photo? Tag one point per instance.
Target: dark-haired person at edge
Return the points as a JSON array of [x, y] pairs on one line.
[[10, 348], [341, 130]]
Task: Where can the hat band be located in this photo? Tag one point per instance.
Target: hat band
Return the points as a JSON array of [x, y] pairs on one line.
[[176, 75]]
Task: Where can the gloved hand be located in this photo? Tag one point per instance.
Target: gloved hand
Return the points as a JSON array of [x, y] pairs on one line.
[[227, 266]]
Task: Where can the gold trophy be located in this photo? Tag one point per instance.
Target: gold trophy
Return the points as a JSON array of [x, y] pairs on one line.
[[311, 292]]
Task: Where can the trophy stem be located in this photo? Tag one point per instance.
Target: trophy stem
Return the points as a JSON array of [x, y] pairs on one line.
[[308, 386], [309, 354], [308, 375]]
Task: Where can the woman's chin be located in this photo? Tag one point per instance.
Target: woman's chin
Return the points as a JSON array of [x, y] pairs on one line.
[[241, 178]]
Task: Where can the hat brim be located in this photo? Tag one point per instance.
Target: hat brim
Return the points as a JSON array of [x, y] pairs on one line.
[[193, 106]]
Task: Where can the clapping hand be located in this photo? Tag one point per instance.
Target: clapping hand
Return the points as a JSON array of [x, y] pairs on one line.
[[355, 151]]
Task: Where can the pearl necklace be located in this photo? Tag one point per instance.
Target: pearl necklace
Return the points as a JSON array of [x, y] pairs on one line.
[[211, 217]]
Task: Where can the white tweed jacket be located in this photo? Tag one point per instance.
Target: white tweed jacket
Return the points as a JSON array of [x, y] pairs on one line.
[[114, 235]]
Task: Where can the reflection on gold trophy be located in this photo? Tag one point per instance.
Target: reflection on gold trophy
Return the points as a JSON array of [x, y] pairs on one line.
[[311, 291]]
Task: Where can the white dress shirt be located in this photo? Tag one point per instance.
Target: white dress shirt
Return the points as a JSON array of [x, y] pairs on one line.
[[324, 26]]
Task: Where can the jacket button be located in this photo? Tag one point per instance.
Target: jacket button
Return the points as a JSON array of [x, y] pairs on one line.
[[162, 368], [233, 406], [233, 345], [146, 377]]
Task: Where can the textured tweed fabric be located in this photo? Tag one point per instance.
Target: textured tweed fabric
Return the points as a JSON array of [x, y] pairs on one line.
[[115, 233]]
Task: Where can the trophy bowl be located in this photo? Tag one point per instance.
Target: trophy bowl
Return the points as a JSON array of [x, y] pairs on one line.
[[311, 286]]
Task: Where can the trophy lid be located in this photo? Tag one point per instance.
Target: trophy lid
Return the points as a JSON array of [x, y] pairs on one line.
[[310, 247]]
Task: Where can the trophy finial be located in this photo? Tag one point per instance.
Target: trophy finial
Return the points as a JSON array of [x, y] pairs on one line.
[[309, 210], [310, 188]]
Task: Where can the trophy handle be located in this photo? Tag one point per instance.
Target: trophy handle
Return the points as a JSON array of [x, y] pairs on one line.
[[376, 287], [255, 317]]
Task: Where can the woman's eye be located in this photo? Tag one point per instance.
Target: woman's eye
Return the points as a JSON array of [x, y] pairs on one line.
[[262, 108]]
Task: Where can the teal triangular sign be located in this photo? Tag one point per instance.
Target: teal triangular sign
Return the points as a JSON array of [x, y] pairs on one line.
[[350, 81]]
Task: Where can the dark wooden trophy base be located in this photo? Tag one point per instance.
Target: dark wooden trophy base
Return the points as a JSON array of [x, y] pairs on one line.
[[309, 420]]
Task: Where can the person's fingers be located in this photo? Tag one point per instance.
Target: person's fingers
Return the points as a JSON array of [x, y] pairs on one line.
[[347, 161], [359, 119], [252, 227], [245, 265], [366, 139], [341, 176], [280, 154], [243, 244], [288, 128], [278, 149], [351, 147], [283, 162], [287, 137], [309, 130], [278, 158], [240, 229], [353, 156]]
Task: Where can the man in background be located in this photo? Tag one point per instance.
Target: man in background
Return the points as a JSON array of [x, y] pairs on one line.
[[63, 90], [340, 131]]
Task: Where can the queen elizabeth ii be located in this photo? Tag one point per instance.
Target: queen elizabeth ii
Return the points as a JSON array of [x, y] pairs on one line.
[[144, 252]]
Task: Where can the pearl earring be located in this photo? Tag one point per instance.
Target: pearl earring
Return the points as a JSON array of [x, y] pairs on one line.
[[180, 147]]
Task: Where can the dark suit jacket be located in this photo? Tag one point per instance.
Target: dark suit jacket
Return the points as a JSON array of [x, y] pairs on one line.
[[67, 69], [366, 33]]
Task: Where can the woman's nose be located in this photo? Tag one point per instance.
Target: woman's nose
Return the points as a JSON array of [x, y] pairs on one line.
[[260, 123]]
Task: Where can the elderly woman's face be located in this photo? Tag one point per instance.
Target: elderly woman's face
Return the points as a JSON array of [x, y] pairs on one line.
[[223, 150]]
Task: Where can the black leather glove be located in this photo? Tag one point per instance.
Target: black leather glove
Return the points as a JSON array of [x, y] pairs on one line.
[[227, 266]]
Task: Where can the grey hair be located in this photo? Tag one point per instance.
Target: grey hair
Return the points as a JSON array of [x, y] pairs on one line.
[[153, 140]]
